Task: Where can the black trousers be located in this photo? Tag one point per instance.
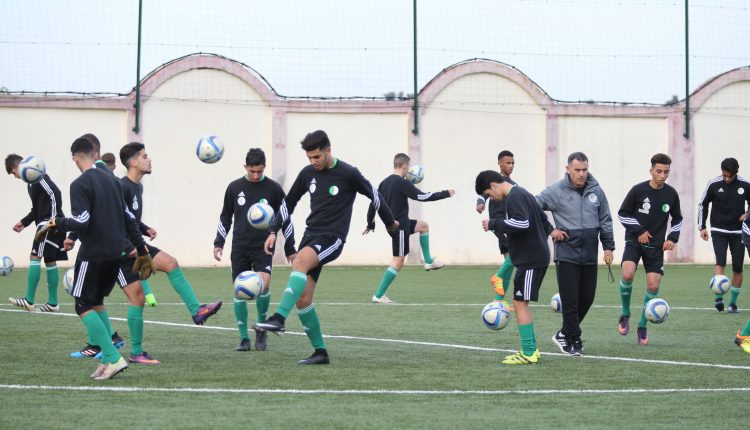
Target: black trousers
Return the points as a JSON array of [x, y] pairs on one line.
[[577, 285]]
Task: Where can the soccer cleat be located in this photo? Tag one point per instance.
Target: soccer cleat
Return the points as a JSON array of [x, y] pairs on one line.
[[743, 342], [498, 285], [320, 356], [88, 351], [383, 300], [623, 326], [719, 304], [642, 336], [117, 341], [150, 300], [261, 340], [559, 340], [206, 311], [47, 308], [21, 302], [507, 305], [244, 345], [99, 370], [275, 324], [520, 358], [732, 309], [435, 265], [142, 358], [575, 348], [112, 369]]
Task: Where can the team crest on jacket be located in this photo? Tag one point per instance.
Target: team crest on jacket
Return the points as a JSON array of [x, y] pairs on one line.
[[665, 208], [592, 198], [312, 186], [646, 206], [135, 203], [740, 191], [241, 198], [333, 190]]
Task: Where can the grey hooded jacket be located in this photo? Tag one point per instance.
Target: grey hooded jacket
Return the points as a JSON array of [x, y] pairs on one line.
[[585, 217]]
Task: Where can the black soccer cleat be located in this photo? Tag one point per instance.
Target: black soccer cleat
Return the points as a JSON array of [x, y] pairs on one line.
[[274, 324], [320, 356], [719, 304], [575, 348], [244, 345], [261, 340], [732, 309]]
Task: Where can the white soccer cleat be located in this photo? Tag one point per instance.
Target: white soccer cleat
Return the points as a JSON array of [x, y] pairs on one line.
[[21, 302], [383, 300], [112, 369], [46, 308], [435, 265]]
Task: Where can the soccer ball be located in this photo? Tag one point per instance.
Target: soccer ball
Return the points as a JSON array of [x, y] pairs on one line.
[[260, 215], [6, 265], [31, 169], [657, 310], [495, 316], [69, 280], [415, 174], [719, 284], [248, 285], [555, 303], [209, 149]]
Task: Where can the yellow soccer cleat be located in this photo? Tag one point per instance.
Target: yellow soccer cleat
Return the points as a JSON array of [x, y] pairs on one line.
[[497, 284], [151, 300], [743, 342], [520, 358]]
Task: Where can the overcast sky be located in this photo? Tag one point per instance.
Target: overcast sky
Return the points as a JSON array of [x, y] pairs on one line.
[[604, 50]]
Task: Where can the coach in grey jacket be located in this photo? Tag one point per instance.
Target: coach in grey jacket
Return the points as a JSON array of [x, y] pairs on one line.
[[582, 219]]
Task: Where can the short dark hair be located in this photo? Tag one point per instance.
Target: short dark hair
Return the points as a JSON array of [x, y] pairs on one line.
[[504, 153], [82, 146], [254, 157], [484, 179], [661, 159], [129, 151], [730, 165], [318, 139], [94, 141], [400, 159], [11, 161], [580, 156], [109, 158]]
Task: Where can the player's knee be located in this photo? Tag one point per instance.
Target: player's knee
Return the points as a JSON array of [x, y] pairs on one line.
[[170, 263]]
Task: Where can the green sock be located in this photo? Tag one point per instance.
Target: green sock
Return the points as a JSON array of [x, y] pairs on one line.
[[528, 339], [97, 332], [626, 288], [104, 316], [35, 272], [53, 278], [184, 290], [135, 327], [424, 241], [733, 293], [388, 277], [240, 314], [146, 287], [506, 272], [311, 325], [649, 296], [261, 304], [294, 289], [746, 330]]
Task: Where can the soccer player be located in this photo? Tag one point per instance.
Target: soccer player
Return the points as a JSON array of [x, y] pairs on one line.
[[109, 159], [729, 195], [582, 219], [248, 241], [46, 203], [644, 214], [99, 218], [333, 185], [506, 162], [742, 339], [396, 191], [526, 227]]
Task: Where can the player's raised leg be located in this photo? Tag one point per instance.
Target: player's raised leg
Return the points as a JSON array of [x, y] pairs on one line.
[[200, 313]]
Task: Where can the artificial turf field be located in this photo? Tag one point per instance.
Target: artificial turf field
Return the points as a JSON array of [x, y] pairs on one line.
[[426, 362]]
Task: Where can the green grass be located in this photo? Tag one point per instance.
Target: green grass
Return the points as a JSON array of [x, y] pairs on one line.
[[441, 308]]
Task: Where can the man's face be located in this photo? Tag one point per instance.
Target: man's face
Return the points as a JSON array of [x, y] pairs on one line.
[[142, 162], [14, 171], [729, 177], [506, 165], [659, 174], [319, 159], [494, 192], [578, 172], [255, 173]]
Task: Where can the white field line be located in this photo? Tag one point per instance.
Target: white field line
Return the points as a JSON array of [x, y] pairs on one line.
[[369, 392], [435, 344]]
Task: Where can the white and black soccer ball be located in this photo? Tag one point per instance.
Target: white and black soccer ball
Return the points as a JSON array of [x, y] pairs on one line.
[[209, 149], [31, 169], [719, 284], [260, 215], [6, 265], [495, 315], [248, 285], [556, 303], [415, 174], [69, 280], [657, 310]]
